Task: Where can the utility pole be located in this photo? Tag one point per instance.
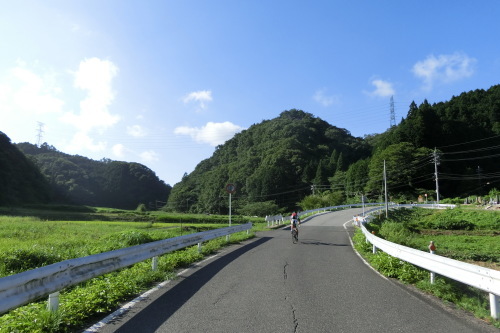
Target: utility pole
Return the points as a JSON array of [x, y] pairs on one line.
[[363, 203], [385, 186], [40, 133], [436, 162]]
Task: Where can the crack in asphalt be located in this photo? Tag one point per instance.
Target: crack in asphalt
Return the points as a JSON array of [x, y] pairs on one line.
[[223, 295], [295, 320], [287, 299]]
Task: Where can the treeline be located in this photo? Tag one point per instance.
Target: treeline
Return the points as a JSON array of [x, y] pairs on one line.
[[55, 177], [300, 161]]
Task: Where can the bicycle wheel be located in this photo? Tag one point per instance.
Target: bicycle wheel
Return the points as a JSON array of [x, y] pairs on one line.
[[295, 237]]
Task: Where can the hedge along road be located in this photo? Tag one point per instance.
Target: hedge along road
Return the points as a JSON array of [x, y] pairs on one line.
[[269, 284]]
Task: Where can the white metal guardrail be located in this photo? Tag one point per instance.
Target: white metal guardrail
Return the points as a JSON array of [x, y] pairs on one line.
[[324, 209], [25, 287], [479, 277], [274, 219], [280, 218]]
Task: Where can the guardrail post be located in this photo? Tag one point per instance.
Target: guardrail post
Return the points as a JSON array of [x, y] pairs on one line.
[[374, 249], [432, 249], [53, 304], [495, 306], [199, 247], [154, 264]]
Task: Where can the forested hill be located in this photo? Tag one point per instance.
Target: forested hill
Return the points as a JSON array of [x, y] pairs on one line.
[[276, 160], [470, 116], [79, 180], [466, 132], [281, 163], [20, 180]]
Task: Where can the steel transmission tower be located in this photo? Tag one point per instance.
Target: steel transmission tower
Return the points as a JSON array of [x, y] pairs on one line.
[[393, 114], [40, 133]]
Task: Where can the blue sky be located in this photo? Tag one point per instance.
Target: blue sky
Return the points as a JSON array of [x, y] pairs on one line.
[[163, 83]]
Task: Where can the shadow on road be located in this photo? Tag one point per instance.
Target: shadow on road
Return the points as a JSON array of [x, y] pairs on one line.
[[315, 242], [155, 314]]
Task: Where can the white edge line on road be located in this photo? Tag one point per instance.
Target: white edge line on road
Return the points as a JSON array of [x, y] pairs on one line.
[[359, 255], [129, 305]]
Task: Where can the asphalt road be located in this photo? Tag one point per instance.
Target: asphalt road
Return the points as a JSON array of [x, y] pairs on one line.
[[269, 284]]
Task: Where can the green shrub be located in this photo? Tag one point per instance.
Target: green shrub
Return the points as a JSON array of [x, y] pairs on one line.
[[131, 238], [360, 243], [397, 233], [454, 225], [453, 201], [22, 260], [463, 296], [259, 208], [396, 268]]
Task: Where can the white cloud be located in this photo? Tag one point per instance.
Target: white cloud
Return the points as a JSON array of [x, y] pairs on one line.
[[445, 68], [32, 93], [200, 97], [382, 88], [136, 131], [149, 156], [321, 98], [95, 77], [118, 150], [26, 93], [212, 133], [82, 140]]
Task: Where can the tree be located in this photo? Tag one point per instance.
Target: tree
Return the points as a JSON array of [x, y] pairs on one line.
[[357, 176], [404, 163], [259, 209]]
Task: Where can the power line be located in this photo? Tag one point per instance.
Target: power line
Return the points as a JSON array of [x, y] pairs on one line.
[[468, 142], [470, 158], [472, 150]]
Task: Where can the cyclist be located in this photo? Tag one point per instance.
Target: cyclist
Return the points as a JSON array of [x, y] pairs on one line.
[[294, 222]]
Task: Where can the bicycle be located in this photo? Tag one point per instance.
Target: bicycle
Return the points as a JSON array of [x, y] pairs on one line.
[[295, 236]]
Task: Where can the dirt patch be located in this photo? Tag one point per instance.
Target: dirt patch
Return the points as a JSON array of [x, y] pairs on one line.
[[460, 232], [490, 265]]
